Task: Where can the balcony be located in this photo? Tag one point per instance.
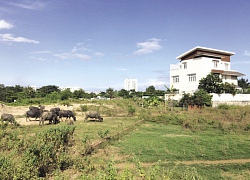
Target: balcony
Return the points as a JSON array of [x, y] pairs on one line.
[[175, 66]]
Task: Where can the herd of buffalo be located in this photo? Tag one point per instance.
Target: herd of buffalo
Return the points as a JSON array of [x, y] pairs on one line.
[[54, 115]]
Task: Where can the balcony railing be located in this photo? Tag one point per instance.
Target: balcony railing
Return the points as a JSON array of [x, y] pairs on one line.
[[174, 67]]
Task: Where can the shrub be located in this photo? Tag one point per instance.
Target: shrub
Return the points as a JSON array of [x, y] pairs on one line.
[[131, 110], [84, 108], [223, 106]]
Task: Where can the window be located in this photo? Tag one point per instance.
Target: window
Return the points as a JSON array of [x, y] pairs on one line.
[[234, 77], [175, 79], [226, 66], [191, 77], [184, 65], [224, 77], [216, 62]]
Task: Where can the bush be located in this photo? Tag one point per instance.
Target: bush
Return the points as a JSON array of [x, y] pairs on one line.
[[84, 108], [223, 106], [131, 110]]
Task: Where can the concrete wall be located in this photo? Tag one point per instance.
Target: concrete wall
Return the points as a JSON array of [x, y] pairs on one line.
[[238, 99]]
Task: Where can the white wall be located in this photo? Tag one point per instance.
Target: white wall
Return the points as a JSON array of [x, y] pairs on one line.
[[237, 99], [199, 66]]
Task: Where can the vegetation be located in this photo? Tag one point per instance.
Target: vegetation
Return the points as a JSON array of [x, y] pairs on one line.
[[212, 83], [166, 145], [245, 85], [140, 138]]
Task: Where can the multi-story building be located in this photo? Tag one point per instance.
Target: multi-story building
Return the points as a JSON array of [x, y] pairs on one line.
[[196, 64], [130, 84]]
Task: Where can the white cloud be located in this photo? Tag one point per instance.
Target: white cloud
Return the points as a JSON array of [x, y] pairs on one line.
[[41, 52], [62, 55], [98, 54], [82, 56], [121, 69], [29, 4], [80, 47], [247, 53], [5, 25], [79, 51], [10, 38], [155, 82], [148, 47]]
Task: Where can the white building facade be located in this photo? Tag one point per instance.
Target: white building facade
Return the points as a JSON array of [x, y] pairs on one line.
[[130, 84], [196, 64]]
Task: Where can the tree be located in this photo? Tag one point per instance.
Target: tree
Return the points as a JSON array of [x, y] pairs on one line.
[[186, 100], [212, 83], [79, 94], [29, 92], [199, 98], [66, 94], [202, 98], [110, 93], [170, 93], [53, 97], [171, 90], [44, 90], [123, 93], [150, 91], [229, 88], [244, 84]]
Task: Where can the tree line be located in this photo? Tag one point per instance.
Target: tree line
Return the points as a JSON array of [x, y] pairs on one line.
[[212, 83], [9, 94]]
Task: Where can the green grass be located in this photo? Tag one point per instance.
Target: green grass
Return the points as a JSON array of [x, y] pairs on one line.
[[211, 135], [153, 142], [83, 129]]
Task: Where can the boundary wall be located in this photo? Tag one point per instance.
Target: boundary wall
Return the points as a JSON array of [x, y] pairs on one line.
[[237, 99]]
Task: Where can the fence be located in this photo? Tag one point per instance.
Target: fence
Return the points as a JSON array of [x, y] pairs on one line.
[[237, 99]]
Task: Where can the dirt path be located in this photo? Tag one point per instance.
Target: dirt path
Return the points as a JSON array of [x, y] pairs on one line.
[[215, 162], [229, 161]]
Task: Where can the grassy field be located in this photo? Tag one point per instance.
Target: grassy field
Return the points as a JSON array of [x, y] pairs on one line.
[[200, 144]]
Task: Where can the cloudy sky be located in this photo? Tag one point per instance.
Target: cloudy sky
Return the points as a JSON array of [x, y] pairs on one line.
[[96, 44]]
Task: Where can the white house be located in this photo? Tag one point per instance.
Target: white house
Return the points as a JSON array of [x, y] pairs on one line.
[[198, 63]]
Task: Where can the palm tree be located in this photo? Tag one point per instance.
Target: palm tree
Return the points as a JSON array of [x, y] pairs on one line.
[[244, 84], [110, 92], [170, 92]]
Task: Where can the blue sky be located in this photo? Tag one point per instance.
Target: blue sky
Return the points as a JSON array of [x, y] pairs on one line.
[[96, 44]]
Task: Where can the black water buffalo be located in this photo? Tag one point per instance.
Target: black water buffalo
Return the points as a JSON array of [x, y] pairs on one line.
[[66, 113], [41, 107], [93, 114], [55, 110], [8, 118], [35, 113], [51, 116]]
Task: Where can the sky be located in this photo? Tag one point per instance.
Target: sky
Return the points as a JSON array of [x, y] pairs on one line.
[[96, 44]]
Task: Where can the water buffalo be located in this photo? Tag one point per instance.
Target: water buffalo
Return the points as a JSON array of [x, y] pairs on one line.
[[55, 110], [51, 116], [93, 114], [8, 118], [35, 113], [67, 114], [37, 108]]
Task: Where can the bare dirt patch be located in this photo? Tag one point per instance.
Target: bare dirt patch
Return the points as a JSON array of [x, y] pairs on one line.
[[19, 112], [229, 161]]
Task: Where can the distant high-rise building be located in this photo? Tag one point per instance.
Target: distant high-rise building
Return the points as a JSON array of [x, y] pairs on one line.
[[130, 84]]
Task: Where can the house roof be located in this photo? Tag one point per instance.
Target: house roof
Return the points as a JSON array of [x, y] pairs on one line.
[[206, 50], [232, 73]]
